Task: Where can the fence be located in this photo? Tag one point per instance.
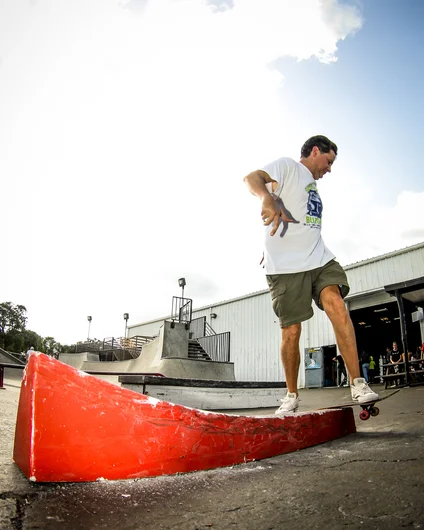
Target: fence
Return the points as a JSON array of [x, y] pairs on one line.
[[113, 349], [181, 309], [200, 328], [197, 328], [217, 346]]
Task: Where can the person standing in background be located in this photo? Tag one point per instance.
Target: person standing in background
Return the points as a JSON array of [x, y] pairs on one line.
[[371, 370], [365, 364]]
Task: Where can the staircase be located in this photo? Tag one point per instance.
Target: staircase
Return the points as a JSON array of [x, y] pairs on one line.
[[196, 352]]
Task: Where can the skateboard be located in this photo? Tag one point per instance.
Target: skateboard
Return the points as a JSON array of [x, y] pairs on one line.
[[368, 409]]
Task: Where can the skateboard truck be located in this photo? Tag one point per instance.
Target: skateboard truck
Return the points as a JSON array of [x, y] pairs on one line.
[[368, 409]]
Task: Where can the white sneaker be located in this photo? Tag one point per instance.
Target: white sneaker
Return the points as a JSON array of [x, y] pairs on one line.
[[361, 392], [289, 403]]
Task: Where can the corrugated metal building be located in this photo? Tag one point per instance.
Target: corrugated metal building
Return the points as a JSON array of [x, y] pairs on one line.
[[255, 332]]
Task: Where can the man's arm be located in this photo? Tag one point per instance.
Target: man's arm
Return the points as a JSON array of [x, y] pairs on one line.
[[271, 212]]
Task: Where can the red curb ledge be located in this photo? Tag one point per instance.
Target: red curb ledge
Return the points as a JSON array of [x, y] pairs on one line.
[[73, 427]]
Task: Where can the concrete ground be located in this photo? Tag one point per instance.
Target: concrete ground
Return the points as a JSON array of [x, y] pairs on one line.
[[373, 479]]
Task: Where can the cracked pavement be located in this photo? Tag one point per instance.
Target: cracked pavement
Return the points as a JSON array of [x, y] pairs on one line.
[[373, 479]]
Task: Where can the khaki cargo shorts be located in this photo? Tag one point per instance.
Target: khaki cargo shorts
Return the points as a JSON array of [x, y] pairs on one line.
[[292, 294]]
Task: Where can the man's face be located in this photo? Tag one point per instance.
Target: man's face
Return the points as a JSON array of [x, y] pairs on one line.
[[321, 163], [395, 346]]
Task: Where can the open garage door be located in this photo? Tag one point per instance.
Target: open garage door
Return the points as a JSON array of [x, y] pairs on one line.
[[376, 327]]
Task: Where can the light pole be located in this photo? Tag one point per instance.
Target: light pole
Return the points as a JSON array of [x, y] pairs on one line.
[[89, 324], [126, 317], [182, 283]]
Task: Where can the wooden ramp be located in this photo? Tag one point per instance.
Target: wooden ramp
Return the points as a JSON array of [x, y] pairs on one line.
[[74, 427]]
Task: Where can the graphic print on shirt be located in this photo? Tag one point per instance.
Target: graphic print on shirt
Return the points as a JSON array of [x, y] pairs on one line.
[[280, 204], [314, 207]]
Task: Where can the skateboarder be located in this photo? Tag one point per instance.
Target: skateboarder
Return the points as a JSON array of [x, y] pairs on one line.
[[299, 267]]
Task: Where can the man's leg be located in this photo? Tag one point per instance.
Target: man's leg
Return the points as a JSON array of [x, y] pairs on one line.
[[290, 355], [333, 305]]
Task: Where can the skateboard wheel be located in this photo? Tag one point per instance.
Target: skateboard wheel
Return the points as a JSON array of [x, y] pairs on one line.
[[374, 411], [364, 414]]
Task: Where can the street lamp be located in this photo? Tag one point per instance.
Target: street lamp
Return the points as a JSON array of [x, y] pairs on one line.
[[182, 283], [126, 317], [89, 324]]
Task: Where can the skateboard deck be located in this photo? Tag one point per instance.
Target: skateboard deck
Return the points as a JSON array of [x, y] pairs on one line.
[[368, 409]]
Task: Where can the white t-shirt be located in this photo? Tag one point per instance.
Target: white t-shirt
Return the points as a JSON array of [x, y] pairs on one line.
[[296, 246]]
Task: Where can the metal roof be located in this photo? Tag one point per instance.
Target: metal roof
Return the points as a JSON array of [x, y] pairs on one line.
[[404, 250], [412, 290]]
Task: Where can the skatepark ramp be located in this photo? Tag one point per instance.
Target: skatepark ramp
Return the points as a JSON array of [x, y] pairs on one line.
[[171, 353]]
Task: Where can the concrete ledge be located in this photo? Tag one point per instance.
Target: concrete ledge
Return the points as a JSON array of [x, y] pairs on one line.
[[208, 383], [207, 394], [73, 427]]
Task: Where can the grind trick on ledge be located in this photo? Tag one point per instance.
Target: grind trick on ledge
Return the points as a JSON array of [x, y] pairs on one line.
[[299, 267]]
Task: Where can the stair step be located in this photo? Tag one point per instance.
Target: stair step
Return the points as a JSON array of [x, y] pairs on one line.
[[196, 351], [200, 357]]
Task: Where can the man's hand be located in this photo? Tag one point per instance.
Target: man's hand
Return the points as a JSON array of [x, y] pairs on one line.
[[271, 213]]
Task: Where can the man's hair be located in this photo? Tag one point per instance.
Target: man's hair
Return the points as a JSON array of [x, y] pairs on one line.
[[322, 142]]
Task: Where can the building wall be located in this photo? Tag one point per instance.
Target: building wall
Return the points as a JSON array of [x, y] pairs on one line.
[[254, 336], [255, 332], [395, 267]]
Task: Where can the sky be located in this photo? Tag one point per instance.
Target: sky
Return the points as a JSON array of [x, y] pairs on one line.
[[127, 126]]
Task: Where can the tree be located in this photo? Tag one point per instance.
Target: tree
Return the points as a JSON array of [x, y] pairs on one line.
[[66, 348], [15, 338], [12, 321], [12, 317], [51, 347], [32, 339]]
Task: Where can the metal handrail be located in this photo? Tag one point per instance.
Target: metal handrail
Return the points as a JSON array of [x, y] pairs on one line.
[[209, 331], [118, 345], [197, 327], [181, 309]]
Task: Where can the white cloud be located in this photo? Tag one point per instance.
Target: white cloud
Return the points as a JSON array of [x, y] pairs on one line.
[[359, 226], [127, 129], [343, 19]]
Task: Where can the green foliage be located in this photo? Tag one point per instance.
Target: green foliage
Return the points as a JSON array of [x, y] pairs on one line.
[[51, 347], [12, 317], [15, 338], [68, 348], [14, 341], [12, 323], [32, 339]]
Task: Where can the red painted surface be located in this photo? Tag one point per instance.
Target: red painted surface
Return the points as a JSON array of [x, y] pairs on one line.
[[73, 427]]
